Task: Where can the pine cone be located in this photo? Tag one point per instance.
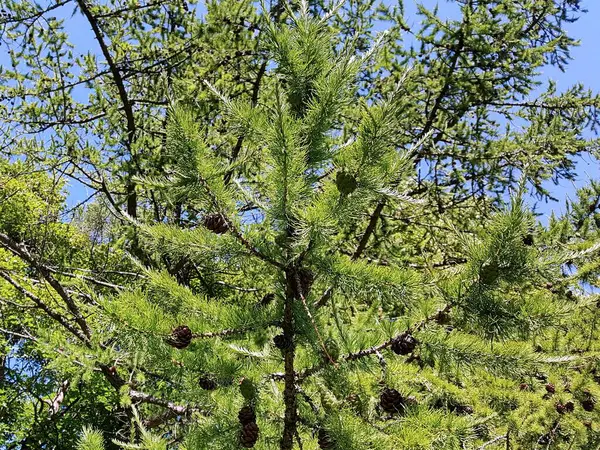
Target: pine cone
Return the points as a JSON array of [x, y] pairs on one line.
[[248, 389], [550, 388], [345, 182], [442, 318], [216, 223], [246, 415], [267, 299], [489, 273], [325, 440], [404, 344], [569, 406], [462, 409], [524, 387], [207, 383], [180, 337], [588, 404], [282, 342], [249, 435], [391, 401]]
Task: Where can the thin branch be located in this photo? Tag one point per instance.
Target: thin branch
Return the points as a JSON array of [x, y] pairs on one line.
[[182, 410], [113, 69], [41, 305], [493, 441], [21, 251]]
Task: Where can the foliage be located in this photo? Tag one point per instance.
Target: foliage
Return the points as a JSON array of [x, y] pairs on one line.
[[293, 214]]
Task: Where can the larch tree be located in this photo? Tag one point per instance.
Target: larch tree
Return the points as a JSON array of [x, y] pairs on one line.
[[333, 253]]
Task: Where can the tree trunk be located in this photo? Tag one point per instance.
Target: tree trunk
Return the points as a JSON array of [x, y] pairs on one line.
[[289, 392]]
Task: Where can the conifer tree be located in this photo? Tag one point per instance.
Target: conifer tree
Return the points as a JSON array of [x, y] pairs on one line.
[[295, 303]]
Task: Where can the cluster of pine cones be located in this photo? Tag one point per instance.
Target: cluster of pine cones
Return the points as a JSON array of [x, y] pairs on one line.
[[249, 432]]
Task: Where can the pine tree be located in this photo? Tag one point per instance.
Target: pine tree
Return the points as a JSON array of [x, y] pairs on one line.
[[295, 300], [296, 360]]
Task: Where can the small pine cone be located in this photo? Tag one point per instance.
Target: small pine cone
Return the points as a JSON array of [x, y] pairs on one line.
[[333, 350], [550, 388], [404, 344], [180, 337], [246, 415], [569, 406], [216, 223], [442, 318], [267, 299], [391, 401], [207, 383], [345, 183], [325, 440], [462, 409], [524, 387], [282, 342], [249, 435], [560, 408], [588, 404]]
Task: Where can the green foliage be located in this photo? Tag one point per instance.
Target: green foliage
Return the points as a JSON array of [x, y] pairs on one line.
[[281, 196]]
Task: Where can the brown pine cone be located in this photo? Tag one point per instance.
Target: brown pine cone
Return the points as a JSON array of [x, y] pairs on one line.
[[461, 409], [588, 404], [528, 239], [282, 342], [207, 383], [325, 440], [267, 299], [569, 406], [246, 415], [216, 223], [391, 401], [404, 344], [180, 337], [249, 435], [550, 388]]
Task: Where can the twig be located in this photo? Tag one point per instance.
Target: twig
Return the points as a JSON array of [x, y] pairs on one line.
[[493, 441]]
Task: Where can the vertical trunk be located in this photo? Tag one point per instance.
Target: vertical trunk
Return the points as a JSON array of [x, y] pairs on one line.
[[131, 199], [289, 392]]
